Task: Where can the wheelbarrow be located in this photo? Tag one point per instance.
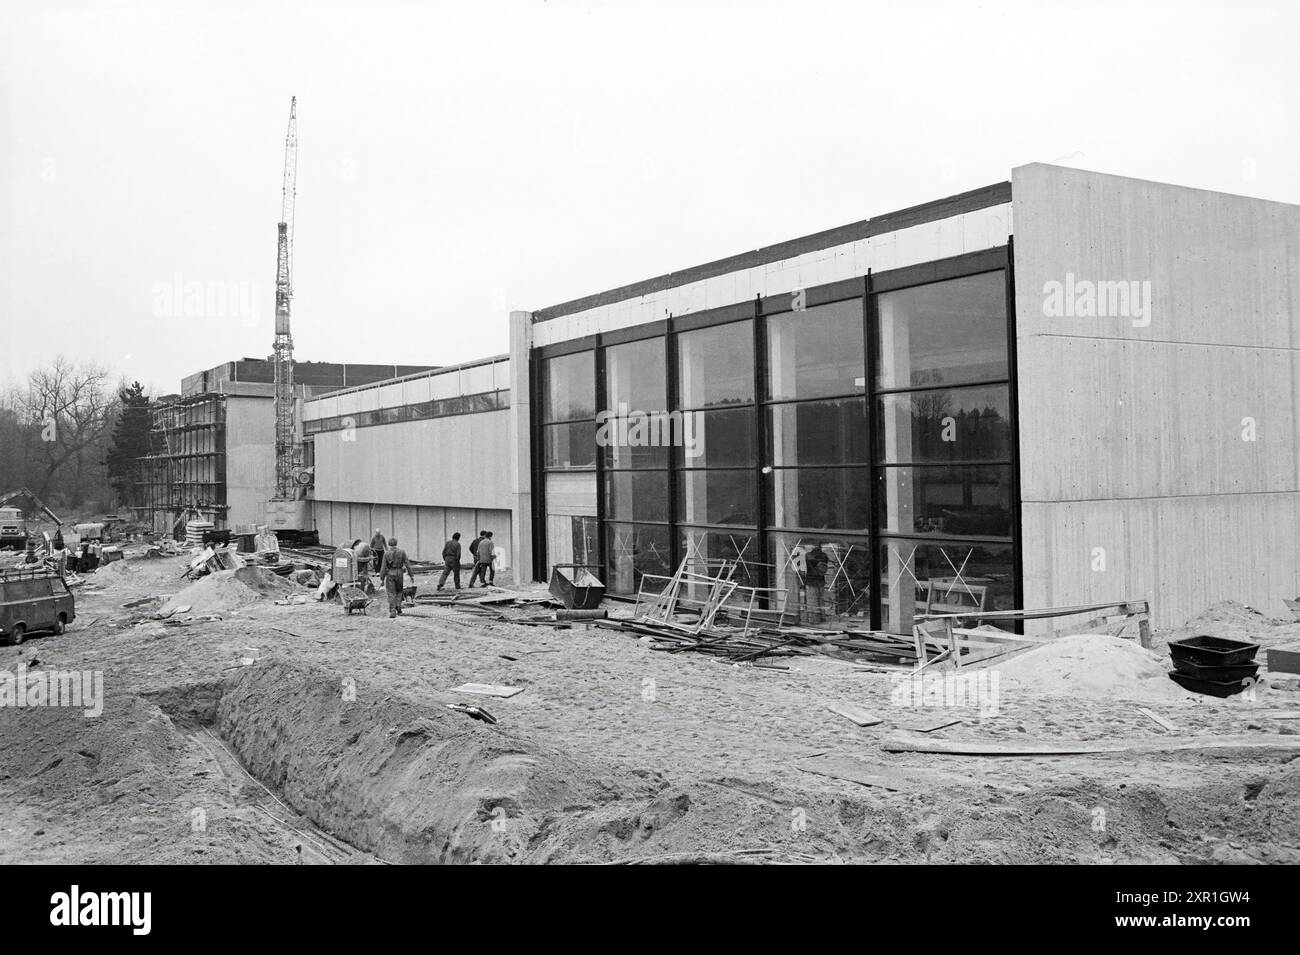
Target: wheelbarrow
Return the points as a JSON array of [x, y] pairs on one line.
[[353, 598]]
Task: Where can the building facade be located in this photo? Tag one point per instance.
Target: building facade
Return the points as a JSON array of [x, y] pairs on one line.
[[1063, 389]]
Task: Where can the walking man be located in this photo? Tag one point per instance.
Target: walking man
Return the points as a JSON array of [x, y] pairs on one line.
[[393, 571], [377, 550], [451, 560], [483, 559]]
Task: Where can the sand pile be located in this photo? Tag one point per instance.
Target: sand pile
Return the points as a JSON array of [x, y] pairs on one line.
[[228, 589], [1092, 666]]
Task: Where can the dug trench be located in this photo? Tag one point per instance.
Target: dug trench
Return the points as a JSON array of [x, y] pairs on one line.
[[281, 762]]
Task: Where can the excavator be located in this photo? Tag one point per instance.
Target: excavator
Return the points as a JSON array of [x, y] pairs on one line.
[[13, 527]]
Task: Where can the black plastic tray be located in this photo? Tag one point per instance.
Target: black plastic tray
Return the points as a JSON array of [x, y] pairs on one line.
[[1203, 672], [1220, 688], [1213, 651]]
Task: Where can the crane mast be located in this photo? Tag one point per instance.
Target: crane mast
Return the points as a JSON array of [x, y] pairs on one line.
[[286, 457]]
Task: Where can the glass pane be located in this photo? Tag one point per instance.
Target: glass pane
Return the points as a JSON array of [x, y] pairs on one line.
[[821, 497], [716, 497], [956, 501], [715, 366], [636, 439], [818, 432], [826, 580], [944, 333], [919, 578], [712, 439], [569, 445], [816, 352], [635, 376], [955, 424], [569, 387], [636, 495], [706, 551], [634, 550]]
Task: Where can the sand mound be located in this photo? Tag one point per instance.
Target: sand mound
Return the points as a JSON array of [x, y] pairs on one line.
[[228, 589], [1092, 666]]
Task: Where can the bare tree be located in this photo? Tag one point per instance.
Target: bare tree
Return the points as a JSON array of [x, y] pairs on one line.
[[69, 409]]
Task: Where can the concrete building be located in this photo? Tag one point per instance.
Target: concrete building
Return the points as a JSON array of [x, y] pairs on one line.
[[1062, 389], [213, 453]]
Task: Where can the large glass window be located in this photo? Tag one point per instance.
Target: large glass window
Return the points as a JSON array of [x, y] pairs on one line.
[[833, 498], [947, 501], [919, 577], [944, 333], [569, 387], [708, 549], [569, 445], [568, 415], [716, 497], [818, 432], [716, 439], [635, 376], [816, 353], [633, 551], [783, 463], [715, 366], [824, 579], [946, 424], [944, 452], [636, 495]]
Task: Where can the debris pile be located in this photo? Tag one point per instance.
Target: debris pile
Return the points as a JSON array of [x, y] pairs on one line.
[[227, 590]]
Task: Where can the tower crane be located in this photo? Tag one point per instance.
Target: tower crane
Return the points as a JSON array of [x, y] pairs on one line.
[[286, 450]]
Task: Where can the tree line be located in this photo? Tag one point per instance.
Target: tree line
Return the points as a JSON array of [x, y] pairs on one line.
[[71, 434]]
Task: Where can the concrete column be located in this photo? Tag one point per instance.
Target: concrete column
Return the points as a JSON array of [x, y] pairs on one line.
[[521, 458]]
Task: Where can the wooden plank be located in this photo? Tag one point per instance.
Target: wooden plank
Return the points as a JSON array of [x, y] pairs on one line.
[[488, 689], [856, 771], [1067, 747], [1284, 659], [934, 725], [854, 713], [1157, 718]]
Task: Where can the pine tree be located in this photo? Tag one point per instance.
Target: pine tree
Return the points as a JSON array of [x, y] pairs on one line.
[[130, 441]]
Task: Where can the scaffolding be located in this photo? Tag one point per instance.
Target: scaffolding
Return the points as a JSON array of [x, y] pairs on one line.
[[184, 475]]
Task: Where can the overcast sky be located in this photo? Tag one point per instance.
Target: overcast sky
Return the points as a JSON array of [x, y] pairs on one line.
[[459, 160]]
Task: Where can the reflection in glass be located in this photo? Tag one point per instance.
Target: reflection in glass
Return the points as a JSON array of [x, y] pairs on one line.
[[956, 501], [949, 424], [821, 497], [634, 550], [569, 445], [826, 579], [816, 352], [818, 432], [569, 387], [715, 366], [716, 497], [943, 333], [922, 577]]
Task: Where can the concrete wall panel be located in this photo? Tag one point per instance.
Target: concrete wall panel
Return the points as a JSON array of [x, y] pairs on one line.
[[1135, 428]]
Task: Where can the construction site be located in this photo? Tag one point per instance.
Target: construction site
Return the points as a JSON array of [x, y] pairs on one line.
[[832, 551]]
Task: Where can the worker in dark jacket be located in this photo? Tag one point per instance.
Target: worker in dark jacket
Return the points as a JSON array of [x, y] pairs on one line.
[[451, 560], [393, 571], [483, 559], [377, 550]]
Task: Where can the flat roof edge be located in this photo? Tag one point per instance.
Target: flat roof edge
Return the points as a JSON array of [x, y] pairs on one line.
[[976, 199]]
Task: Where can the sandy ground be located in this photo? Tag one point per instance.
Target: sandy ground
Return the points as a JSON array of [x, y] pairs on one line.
[[292, 733]]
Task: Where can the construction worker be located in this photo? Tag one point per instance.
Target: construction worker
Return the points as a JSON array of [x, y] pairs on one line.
[[361, 551], [393, 571], [483, 559], [451, 560], [377, 550]]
